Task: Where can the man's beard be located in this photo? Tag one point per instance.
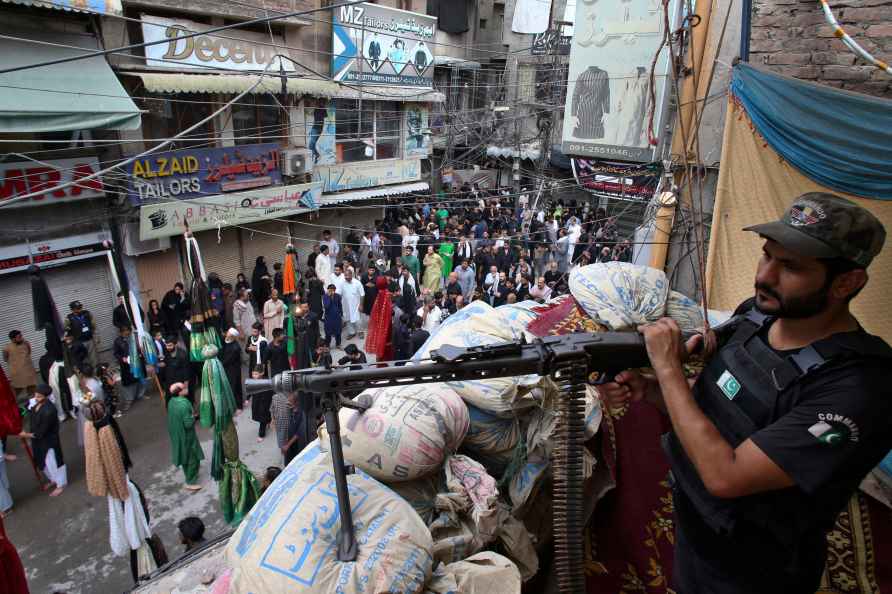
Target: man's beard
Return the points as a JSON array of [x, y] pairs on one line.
[[796, 308]]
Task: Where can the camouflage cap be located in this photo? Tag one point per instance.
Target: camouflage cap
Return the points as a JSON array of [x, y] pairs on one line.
[[822, 225]]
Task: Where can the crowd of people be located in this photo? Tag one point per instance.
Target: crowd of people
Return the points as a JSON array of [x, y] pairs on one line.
[[382, 290]]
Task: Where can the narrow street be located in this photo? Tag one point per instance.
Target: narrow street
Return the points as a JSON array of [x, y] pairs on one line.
[[63, 541]]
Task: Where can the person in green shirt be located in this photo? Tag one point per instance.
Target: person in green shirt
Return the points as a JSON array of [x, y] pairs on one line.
[[184, 448], [442, 217], [447, 249], [410, 261]]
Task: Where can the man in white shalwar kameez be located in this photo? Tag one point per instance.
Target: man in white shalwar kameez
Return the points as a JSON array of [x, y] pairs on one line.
[[323, 266], [351, 292]]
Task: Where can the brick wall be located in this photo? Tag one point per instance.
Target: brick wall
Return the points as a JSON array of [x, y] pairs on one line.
[[791, 37]]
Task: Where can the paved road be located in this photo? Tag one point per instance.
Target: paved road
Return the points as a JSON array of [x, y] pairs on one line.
[[63, 541]]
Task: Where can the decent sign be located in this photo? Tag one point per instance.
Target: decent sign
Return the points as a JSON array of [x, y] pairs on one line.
[[170, 218], [240, 50], [18, 179], [196, 173]]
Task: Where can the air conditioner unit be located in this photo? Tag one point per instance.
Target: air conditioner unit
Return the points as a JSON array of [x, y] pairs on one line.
[[296, 162], [133, 246]]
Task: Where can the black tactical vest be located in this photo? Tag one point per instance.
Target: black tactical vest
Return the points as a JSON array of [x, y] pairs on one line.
[[744, 388]]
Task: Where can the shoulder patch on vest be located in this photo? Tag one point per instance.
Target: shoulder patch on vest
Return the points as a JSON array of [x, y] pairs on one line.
[[728, 384]]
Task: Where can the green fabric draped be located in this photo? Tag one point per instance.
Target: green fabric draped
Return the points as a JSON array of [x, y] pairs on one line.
[[239, 491], [198, 340], [216, 408]]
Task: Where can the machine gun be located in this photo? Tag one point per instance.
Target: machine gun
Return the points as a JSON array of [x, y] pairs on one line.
[[569, 359]]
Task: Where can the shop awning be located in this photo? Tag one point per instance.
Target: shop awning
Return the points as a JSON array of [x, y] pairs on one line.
[[79, 95], [329, 199], [459, 63], [164, 82], [88, 6]]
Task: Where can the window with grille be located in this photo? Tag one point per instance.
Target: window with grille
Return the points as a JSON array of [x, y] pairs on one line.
[[367, 131]]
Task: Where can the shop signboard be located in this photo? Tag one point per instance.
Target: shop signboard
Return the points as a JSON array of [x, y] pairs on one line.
[[50, 177], [616, 179], [16, 258], [90, 6], [236, 50], [352, 176], [418, 134], [196, 173], [608, 102], [550, 42], [380, 45], [212, 212]]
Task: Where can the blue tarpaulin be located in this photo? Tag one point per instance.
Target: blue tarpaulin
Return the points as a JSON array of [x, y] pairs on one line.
[[839, 139]]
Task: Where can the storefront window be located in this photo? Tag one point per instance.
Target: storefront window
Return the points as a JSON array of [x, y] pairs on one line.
[[367, 131], [257, 118], [175, 114]]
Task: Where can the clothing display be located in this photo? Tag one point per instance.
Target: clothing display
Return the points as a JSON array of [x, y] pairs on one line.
[[106, 474], [631, 112], [531, 16], [591, 100], [452, 15]]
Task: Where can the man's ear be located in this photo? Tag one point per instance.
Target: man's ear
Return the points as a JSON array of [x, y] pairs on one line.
[[848, 283]]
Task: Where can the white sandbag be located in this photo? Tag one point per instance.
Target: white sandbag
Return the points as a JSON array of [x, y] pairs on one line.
[[475, 325], [406, 434], [486, 573], [620, 295], [287, 542], [685, 311], [491, 439], [468, 514], [519, 314]]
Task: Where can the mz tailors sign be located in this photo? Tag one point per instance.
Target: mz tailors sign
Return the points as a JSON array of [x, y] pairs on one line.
[[49, 178], [234, 50]]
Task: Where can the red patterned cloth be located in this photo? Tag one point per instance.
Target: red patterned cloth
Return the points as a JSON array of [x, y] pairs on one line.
[[630, 538], [12, 574], [10, 418], [378, 340], [562, 316]]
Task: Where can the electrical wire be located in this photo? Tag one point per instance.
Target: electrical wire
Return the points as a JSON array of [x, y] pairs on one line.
[[127, 48]]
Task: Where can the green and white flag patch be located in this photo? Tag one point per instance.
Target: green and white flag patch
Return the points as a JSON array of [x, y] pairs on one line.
[[728, 384]]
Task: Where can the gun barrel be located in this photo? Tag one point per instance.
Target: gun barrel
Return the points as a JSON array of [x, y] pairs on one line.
[[255, 386]]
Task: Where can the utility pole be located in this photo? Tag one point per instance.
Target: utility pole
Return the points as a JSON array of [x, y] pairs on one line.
[[515, 168]]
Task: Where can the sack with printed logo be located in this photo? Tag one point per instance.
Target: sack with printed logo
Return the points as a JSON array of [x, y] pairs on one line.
[[288, 541], [406, 434], [480, 324]]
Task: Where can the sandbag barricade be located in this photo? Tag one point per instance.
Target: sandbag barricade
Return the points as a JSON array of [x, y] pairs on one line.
[[287, 542]]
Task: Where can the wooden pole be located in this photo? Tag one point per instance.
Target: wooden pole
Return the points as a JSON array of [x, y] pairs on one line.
[[31, 459], [662, 230], [693, 63]]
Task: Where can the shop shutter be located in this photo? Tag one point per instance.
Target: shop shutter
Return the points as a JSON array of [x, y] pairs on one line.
[[266, 239], [87, 281], [158, 272], [224, 257]]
